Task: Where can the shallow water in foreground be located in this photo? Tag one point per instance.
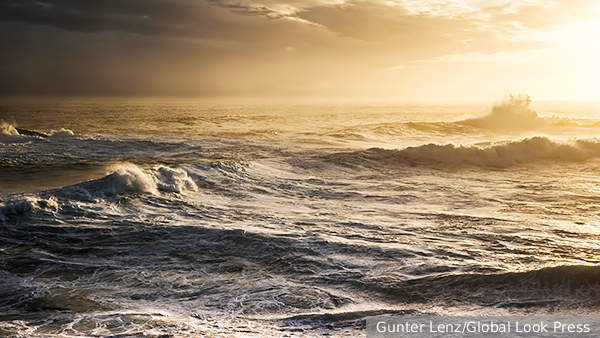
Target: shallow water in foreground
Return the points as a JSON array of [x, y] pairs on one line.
[[158, 219]]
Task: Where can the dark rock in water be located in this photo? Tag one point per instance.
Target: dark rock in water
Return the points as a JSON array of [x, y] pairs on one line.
[[29, 132]]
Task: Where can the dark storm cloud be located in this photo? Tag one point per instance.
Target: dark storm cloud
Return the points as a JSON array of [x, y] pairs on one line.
[[148, 17], [136, 47], [90, 16]]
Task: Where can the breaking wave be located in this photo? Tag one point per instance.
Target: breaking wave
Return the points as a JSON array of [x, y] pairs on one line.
[[124, 179], [503, 154], [513, 114], [130, 179], [9, 129]]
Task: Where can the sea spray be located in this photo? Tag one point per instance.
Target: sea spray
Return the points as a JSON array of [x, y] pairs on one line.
[[7, 129], [512, 113]]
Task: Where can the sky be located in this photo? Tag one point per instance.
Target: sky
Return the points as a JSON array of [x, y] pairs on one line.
[[307, 49]]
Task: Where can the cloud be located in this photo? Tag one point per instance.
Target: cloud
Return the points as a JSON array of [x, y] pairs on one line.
[[537, 14], [261, 47], [409, 22]]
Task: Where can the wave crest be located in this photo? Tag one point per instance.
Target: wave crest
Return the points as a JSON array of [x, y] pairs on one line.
[[130, 179], [507, 154], [25, 205]]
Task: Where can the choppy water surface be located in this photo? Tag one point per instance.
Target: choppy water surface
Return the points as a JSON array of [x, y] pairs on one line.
[[189, 219]]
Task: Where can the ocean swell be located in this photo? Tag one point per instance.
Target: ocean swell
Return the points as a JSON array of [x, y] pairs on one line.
[[542, 287], [500, 154]]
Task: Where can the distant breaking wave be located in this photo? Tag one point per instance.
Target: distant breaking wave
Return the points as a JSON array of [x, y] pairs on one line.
[[503, 154], [512, 113], [9, 129]]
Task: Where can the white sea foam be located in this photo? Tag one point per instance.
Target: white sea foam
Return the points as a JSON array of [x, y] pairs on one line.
[[172, 180], [62, 133], [129, 178]]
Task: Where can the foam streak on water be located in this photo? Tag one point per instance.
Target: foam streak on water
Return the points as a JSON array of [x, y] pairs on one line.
[[203, 219]]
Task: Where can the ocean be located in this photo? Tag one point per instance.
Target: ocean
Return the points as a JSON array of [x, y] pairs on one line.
[[179, 218]]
